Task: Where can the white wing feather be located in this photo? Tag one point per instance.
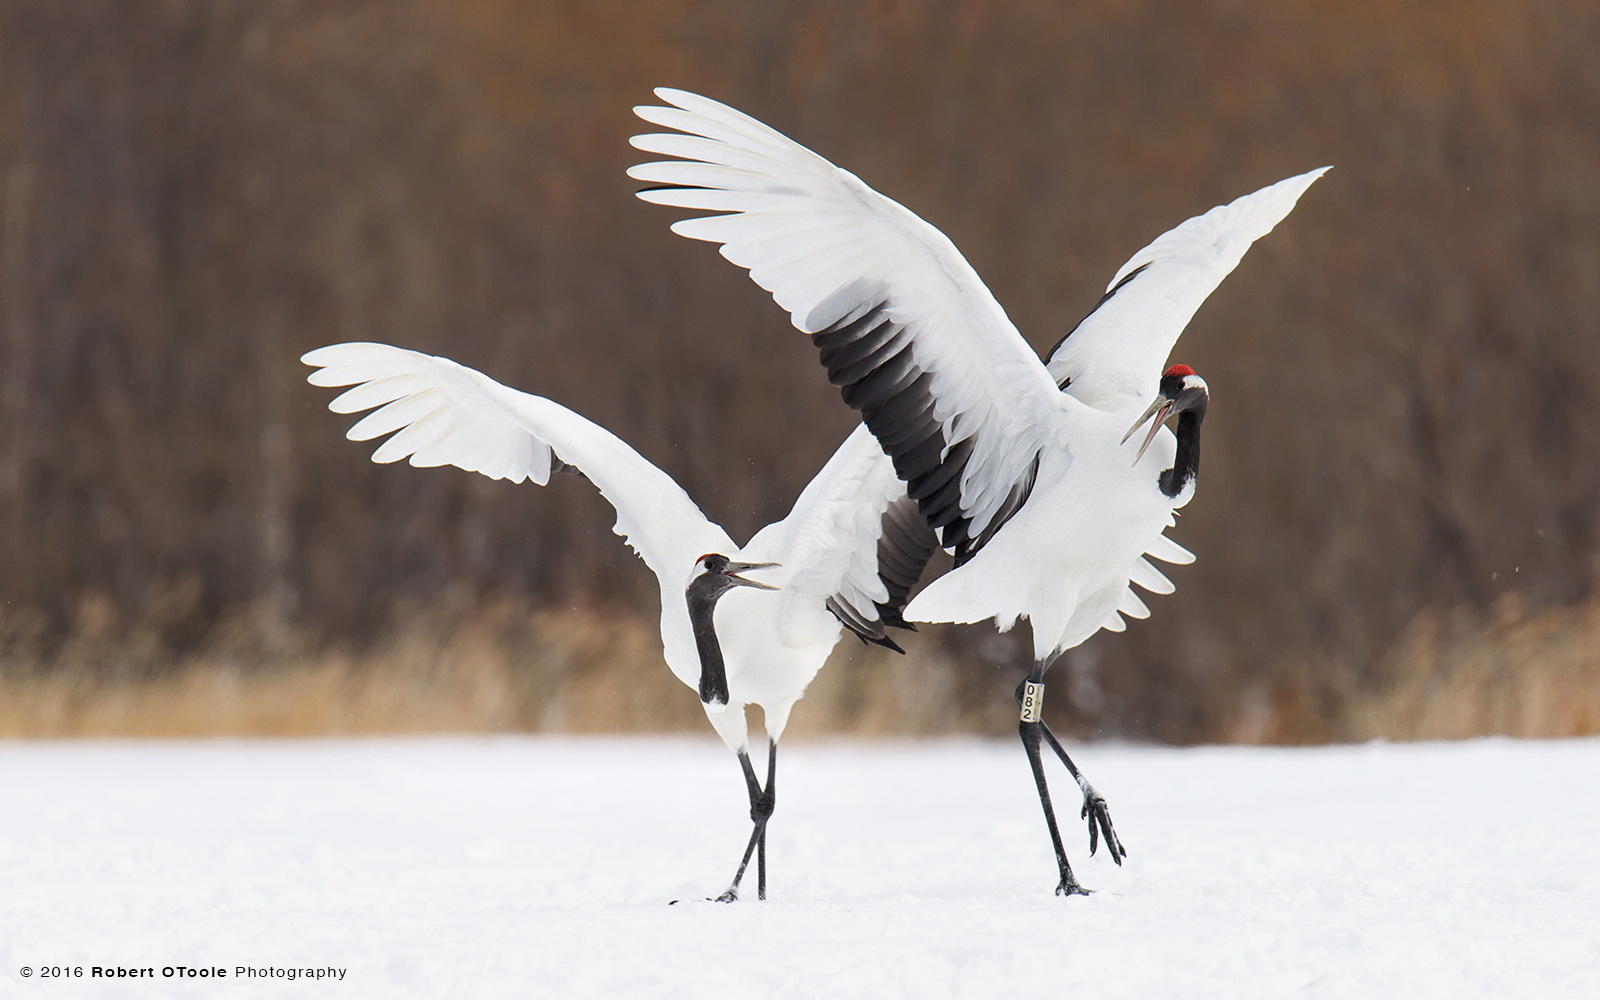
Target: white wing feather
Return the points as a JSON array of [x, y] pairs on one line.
[[1150, 578], [829, 541], [818, 239], [1169, 551], [1132, 606], [1119, 349], [443, 413], [828, 248]]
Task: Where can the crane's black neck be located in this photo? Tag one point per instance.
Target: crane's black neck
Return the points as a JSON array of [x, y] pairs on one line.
[[1186, 463], [702, 598]]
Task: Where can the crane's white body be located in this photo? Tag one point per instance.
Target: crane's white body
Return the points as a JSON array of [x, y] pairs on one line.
[[773, 642], [1065, 559], [836, 254]]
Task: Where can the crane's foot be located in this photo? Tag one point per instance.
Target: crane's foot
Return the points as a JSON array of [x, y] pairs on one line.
[[1069, 887], [731, 896], [1098, 814]]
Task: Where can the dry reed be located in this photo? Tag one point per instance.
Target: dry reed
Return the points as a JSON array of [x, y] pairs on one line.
[[496, 665], [1450, 675], [503, 665]]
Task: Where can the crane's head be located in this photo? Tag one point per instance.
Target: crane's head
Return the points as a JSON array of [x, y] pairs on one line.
[[715, 574], [1180, 391]]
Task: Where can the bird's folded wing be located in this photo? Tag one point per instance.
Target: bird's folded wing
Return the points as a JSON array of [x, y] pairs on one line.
[[905, 327], [1118, 351], [443, 413], [1149, 578]]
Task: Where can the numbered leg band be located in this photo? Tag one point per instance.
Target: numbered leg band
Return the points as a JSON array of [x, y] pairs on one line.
[[1032, 701]]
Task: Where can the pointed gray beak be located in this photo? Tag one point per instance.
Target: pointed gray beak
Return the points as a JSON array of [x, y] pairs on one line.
[[1159, 410], [735, 568]]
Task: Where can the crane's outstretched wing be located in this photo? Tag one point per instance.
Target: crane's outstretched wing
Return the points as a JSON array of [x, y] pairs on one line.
[[853, 542], [905, 327], [1120, 348], [442, 413]]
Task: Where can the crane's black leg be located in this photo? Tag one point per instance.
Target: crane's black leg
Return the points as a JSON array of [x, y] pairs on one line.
[[761, 805], [1030, 696], [754, 788], [769, 801], [1094, 809]]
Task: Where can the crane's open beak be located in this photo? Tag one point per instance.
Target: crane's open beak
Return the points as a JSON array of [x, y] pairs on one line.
[[735, 568], [1159, 410]]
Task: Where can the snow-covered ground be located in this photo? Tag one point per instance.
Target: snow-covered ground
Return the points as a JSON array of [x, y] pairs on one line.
[[543, 867]]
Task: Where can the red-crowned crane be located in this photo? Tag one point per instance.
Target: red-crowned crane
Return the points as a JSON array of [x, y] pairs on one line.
[[1024, 467], [847, 554]]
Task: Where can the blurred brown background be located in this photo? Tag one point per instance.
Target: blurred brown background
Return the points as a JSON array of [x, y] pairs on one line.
[[1398, 519]]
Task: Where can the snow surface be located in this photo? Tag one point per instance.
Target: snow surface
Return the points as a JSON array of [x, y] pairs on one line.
[[488, 867]]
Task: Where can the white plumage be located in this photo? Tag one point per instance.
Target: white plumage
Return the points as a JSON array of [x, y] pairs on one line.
[[830, 249], [1022, 464], [773, 643]]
